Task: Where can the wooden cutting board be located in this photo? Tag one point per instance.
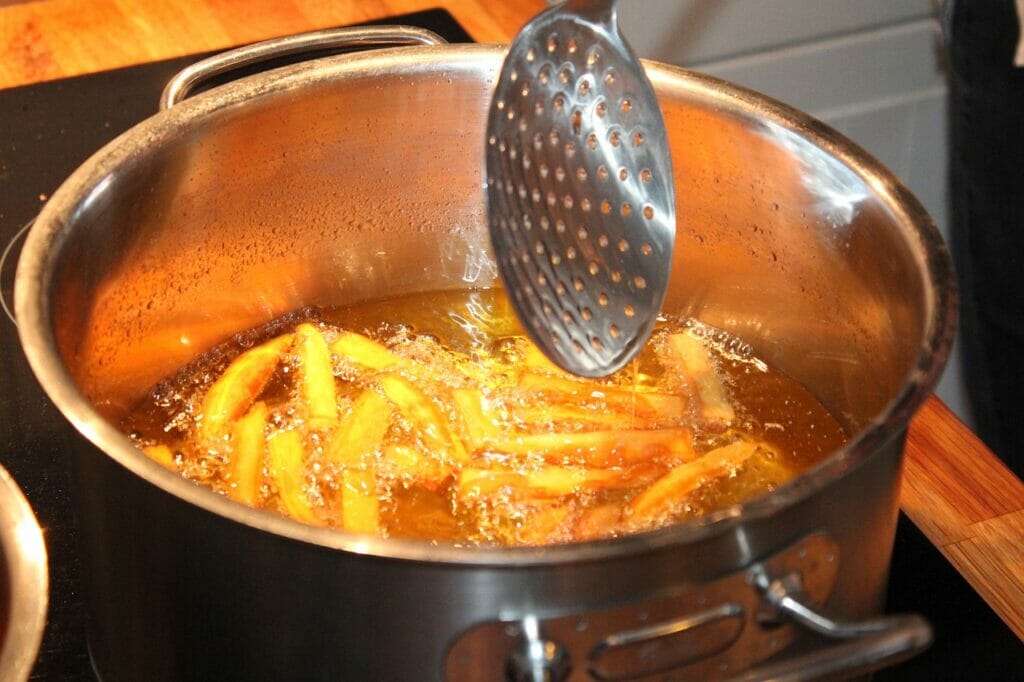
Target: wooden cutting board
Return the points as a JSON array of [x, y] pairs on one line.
[[965, 500]]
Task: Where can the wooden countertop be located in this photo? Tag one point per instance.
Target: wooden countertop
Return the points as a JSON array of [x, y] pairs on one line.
[[48, 39], [956, 491]]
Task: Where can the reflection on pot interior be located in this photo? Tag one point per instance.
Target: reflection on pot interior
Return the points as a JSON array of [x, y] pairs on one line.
[[433, 416]]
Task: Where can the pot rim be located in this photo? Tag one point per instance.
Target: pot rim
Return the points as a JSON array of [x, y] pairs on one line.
[[46, 238], [24, 559]]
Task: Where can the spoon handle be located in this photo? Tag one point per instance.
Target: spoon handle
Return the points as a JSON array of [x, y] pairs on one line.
[[602, 11]]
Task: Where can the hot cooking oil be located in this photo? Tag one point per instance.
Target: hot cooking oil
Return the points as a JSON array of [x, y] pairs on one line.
[[469, 435]]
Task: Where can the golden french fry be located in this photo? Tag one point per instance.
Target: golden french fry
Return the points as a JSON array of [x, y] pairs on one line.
[[359, 510], [413, 467], [583, 416], [473, 483], [361, 431], [601, 448], [545, 524], [316, 378], [286, 469], [698, 368], [535, 360], [772, 468], [239, 386], [364, 351], [685, 478], [557, 481], [598, 522], [644, 404], [480, 427], [248, 443], [550, 481], [418, 409], [162, 455]]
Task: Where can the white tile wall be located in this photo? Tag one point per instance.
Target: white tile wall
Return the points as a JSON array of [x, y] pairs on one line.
[[872, 69], [697, 31], [855, 71]]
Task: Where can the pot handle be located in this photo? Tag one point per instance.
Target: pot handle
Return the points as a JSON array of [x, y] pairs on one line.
[[8, 265], [332, 39], [865, 646]]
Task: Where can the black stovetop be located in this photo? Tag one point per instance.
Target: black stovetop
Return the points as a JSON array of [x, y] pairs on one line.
[[47, 130]]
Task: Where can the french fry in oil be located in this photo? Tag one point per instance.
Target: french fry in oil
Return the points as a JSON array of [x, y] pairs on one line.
[[443, 421], [535, 416], [415, 468], [559, 481], [239, 386], [316, 378], [545, 524], [421, 412], [685, 478], [550, 481], [689, 351], [480, 427], [554, 480], [359, 510], [601, 449], [474, 483], [364, 351], [361, 431], [598, 522], [535, 361], [286, 469], [248, 445], [162, 455], [647, 405]]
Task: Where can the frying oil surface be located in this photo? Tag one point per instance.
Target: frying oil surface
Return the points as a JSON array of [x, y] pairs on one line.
[[433, 416]]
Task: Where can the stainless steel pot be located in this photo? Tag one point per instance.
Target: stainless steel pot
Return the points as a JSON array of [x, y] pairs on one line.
[[359, 176]]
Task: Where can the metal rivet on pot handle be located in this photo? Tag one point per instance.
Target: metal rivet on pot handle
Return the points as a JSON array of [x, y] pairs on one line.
[[358, 38], [537, 659], [865, 646]]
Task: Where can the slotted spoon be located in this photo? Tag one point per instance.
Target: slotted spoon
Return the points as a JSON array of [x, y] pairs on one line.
[[581, 207]]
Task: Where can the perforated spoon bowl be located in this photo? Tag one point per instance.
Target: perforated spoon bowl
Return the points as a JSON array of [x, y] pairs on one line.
[[581, 207]]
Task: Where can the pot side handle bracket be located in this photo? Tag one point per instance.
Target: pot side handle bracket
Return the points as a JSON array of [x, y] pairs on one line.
[[736, 627], [865, 646], [270, 53]]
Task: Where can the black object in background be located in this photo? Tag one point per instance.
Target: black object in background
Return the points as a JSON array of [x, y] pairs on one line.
[[971, 641], [986, 96], [48, 130]]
